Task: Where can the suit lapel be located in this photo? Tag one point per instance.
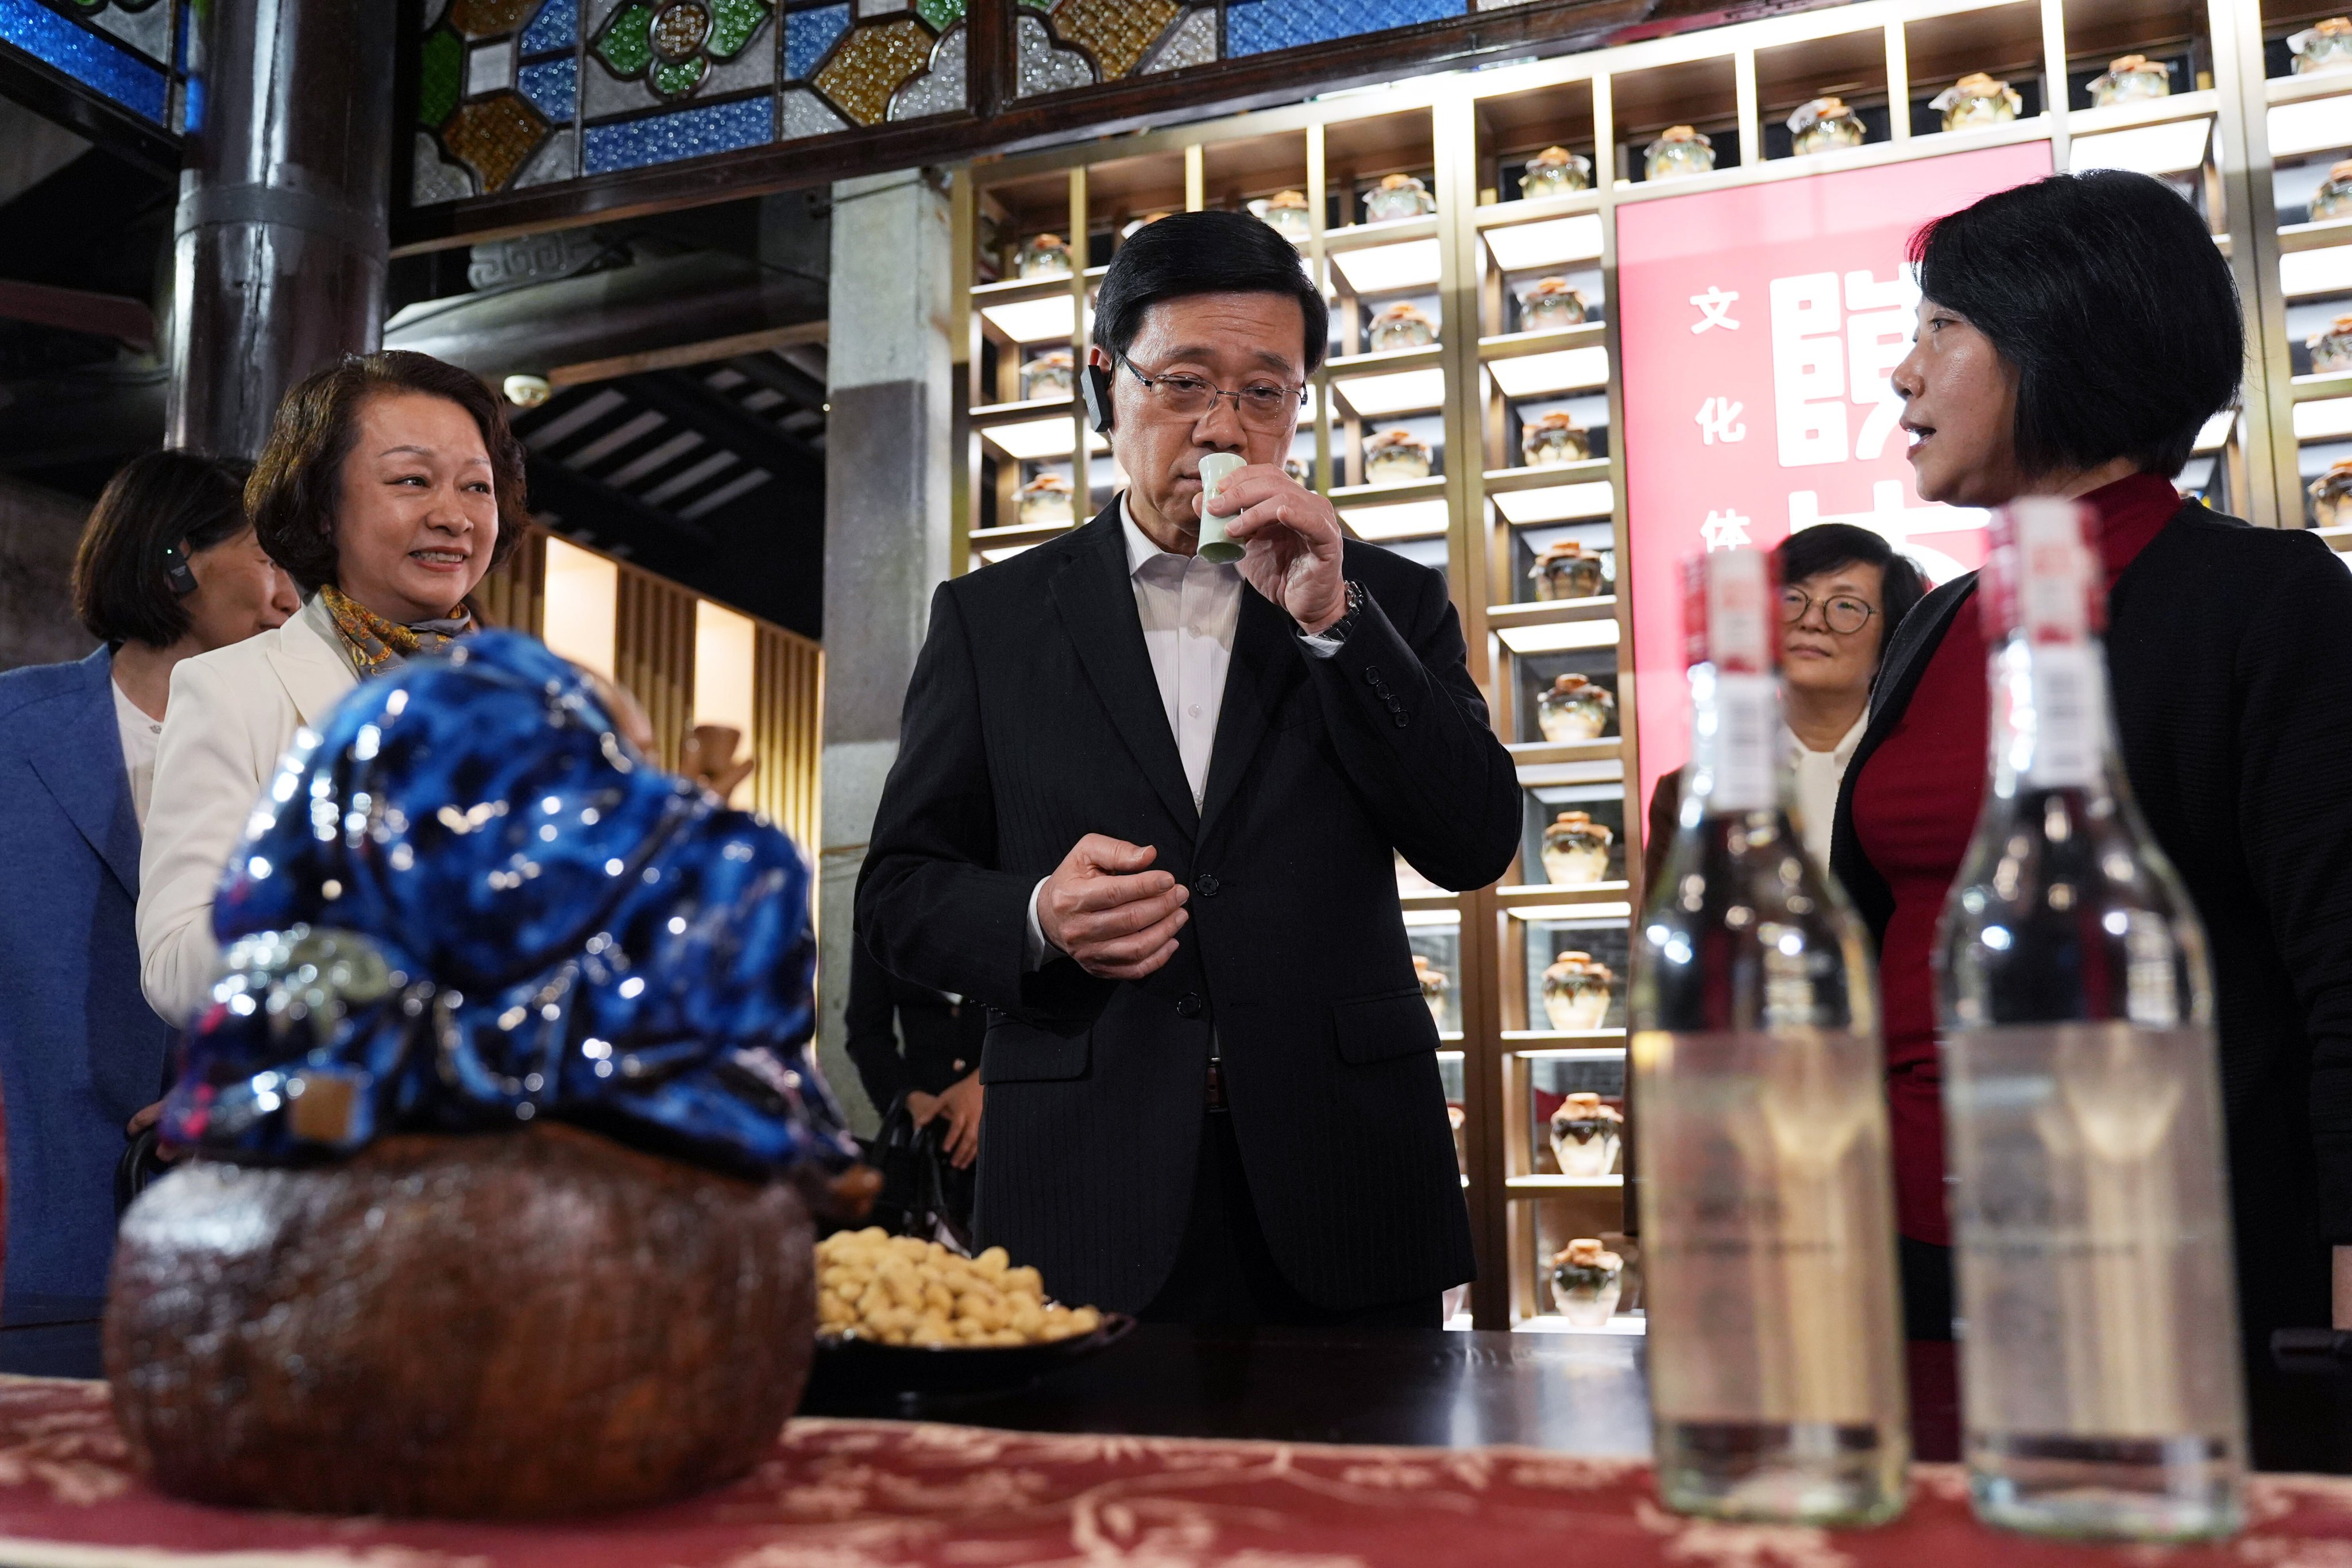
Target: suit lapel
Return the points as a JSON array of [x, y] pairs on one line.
[[1264, 664], [307, 664], [1097, 607], [80, 764]]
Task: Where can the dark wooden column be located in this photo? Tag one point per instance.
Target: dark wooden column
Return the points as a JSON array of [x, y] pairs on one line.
[[279, 245]]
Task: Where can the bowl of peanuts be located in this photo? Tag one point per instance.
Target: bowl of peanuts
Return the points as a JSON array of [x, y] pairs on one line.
[[905, 1315]]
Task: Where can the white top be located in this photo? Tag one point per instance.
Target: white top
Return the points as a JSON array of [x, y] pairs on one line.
[[1818, 775], [139, 735], [232, 714]]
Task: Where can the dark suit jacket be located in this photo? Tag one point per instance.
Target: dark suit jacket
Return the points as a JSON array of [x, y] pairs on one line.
[[2228, 649], [79, 1048], [942, 1037], [1033, 719]]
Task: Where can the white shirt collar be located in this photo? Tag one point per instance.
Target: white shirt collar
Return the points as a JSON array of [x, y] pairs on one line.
[[1141, 552]]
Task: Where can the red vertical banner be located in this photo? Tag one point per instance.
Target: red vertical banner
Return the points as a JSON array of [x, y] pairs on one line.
[[1758, 325]]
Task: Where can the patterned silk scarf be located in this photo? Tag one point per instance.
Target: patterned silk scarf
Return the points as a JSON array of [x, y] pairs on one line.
[[377, 645]]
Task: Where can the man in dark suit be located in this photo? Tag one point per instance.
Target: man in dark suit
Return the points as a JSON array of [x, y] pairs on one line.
[[1146, 808]]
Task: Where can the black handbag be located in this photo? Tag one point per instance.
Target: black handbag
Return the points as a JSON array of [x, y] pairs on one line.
[[922, 1193], [139, 1165]]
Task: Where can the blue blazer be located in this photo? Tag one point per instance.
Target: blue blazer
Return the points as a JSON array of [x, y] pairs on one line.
[[79, 1048]]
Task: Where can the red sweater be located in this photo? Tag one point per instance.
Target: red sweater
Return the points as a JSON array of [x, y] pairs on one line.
[[1915, 808]]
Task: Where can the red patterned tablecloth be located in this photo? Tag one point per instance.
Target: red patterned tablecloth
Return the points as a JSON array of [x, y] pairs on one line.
[[879, 1494]]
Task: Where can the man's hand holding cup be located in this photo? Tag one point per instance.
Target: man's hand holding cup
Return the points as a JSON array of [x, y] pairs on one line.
[[1290, 537]]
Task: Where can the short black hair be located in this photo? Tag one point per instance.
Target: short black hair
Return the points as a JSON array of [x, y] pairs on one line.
[[121, 591], [2107, 293], [1185, 254], [1826, 546]]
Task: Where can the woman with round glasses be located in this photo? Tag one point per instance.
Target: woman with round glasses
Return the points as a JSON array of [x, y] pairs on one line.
[[1844, 592]]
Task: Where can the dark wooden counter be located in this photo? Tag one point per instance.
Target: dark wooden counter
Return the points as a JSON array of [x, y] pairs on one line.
[[1577, 1393]]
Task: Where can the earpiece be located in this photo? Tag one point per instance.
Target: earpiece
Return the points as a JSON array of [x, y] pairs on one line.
[[1096, 389], [177, 573]]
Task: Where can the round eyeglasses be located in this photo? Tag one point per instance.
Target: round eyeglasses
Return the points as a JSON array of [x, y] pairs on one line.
[[1843, 613], [1261, 405]]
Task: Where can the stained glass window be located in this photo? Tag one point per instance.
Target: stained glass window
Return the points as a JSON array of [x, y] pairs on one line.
[[125, 50], [513, 94], [1064, 44]]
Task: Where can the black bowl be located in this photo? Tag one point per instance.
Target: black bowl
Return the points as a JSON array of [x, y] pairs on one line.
[[862, 1368]]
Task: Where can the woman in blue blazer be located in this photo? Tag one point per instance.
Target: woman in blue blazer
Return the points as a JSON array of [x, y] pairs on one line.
[[167, 568]]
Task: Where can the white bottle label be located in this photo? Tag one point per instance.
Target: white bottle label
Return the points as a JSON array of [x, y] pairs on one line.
[[2067, 716], [1746, 743]]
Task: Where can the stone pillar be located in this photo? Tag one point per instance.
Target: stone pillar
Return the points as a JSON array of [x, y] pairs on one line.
[[888, 472], [278, 252]]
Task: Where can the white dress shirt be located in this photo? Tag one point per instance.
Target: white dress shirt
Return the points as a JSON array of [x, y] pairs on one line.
[[1189, 608], [140, 734], [1818, 775]]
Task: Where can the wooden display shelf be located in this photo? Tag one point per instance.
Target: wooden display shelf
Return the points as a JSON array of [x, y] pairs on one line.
[[1386, 362], [1535, 753], [2322, 236], [1386, 495], [1510, 214], [1583, 471], [1538, 893], [990, 414], [1365, 235], [1552, 612], [1015, 291], [1028, 533], [2313, 388], [1551, 340], [1524, 1186]]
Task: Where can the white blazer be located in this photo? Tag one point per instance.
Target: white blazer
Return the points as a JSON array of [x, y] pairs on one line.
[[232, 714]]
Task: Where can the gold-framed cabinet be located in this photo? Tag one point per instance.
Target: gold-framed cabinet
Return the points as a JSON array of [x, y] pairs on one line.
[[1483, 513]]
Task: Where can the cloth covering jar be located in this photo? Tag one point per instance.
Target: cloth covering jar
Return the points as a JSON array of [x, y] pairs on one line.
[[1047, 256], [1977, 99]]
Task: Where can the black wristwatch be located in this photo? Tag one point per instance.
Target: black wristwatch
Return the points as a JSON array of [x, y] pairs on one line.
[[1338, 630]]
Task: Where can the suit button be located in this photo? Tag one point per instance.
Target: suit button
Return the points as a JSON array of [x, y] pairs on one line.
[[1188, 1005], [959, 1064], [1206, 884]]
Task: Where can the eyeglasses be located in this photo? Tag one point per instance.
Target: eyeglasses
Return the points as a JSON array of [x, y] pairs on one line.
[[1844, 613], [1261, 405]]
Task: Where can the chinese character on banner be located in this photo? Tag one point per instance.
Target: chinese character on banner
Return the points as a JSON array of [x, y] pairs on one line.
[[1819, 264], [1719, 420]]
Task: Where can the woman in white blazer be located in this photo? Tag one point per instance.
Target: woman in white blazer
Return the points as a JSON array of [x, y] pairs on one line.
[[391, 484]]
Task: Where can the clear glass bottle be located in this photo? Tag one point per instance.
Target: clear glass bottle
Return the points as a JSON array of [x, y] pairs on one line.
[[2082, 1102], [1768, 1227]]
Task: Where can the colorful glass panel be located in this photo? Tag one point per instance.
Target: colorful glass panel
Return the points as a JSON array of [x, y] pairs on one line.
[[557, 27], [516, 92], [1077, 43], [549, 86], [681, 133], [88, 57], [1256, 27], [809, 35]]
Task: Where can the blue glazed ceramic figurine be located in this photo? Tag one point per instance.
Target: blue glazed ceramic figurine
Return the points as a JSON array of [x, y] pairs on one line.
[[504, 1124]]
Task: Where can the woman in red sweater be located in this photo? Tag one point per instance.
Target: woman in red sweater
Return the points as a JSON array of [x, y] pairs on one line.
[[2073, 337]]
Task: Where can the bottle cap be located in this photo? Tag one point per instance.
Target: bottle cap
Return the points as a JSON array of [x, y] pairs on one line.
[[1727, 612], [2042, 573]]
